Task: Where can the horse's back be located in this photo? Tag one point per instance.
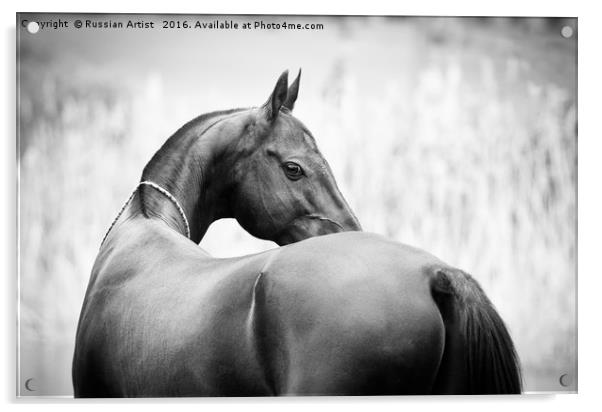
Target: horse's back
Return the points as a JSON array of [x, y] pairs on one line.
[[349, 313]]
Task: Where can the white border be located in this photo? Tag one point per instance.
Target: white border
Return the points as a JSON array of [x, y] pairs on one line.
[[590, 206], [374, 7]]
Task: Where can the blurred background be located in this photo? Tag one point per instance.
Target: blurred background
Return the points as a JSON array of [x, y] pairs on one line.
[[455, 135]]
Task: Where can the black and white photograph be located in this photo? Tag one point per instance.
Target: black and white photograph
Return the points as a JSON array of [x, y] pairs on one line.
[[254, 205]]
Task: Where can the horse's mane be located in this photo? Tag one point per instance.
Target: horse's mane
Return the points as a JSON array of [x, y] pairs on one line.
[[172, 162], [175, 139], [206, 117]]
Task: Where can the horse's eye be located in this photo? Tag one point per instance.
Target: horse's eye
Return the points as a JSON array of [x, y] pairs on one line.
[[293, 170]]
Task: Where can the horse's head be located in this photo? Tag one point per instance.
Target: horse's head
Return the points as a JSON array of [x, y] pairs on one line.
[[283, 189]]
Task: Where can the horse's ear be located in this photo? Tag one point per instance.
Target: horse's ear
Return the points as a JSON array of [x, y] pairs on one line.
[[293, 91], [277, 98]]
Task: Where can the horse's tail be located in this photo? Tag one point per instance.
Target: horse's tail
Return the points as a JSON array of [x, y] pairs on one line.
[[479, 356]]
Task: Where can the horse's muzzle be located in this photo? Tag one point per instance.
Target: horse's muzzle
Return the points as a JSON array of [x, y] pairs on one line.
[[312, 225]]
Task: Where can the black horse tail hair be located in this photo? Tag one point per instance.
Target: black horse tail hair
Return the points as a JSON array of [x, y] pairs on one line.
[[478, 348]]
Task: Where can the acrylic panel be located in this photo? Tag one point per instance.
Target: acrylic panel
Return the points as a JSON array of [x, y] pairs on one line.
[[449, 135]]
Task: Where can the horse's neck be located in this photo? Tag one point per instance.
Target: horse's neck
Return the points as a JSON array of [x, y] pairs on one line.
[[183, 167]]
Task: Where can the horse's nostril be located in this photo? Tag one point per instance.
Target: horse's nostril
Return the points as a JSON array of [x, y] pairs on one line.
[[352, 224]]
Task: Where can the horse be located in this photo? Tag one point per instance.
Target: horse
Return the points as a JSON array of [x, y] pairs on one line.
[[332, 311]]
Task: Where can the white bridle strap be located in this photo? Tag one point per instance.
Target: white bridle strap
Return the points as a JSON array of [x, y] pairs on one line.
[[162, 191], [173, 200]]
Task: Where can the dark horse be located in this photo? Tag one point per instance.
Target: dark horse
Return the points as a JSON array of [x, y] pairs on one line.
[[346, 313]]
